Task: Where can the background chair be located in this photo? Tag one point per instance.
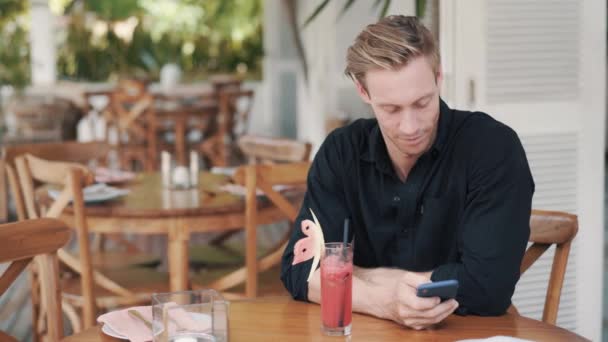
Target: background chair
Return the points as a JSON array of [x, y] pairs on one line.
[[550, 228], [222, 250], [36, 240], [132, 125], [232, 123], [87, 288], [262, 177], [82, 153]]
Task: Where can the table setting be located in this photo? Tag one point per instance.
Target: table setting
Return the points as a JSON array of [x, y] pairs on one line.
[[185, 316]]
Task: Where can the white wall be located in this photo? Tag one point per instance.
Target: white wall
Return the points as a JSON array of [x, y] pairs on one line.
[[559, 115], [329, 93]]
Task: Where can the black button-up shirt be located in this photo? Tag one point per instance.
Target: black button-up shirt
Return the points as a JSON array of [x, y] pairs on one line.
[[463, 211]]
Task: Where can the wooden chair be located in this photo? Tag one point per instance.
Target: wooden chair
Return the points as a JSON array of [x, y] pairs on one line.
[[3, 194], [263, 177], [265, 150], [225, 82], [82, 153], [92, 288], [131, 116], [233, 121], [38, 241], [550, 228]]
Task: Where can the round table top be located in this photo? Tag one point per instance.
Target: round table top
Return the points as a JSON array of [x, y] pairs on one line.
[[282, 319], [149, 199]]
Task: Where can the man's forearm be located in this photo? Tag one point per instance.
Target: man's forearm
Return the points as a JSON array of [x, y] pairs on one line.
[[373, 290]]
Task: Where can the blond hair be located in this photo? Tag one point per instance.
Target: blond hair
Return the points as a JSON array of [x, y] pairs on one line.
[[390, 44]]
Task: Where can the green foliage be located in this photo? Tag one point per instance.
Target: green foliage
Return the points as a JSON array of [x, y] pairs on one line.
[[112, 10], [104, 39], [14, 48], [10, 9]]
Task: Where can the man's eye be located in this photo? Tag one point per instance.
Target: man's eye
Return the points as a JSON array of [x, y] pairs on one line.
[[422, 104], [391, 109]]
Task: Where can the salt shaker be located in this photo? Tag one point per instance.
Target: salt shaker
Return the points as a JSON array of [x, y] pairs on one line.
[[194, 168]]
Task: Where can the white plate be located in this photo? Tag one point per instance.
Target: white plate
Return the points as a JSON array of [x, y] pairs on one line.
[[108, 331], [240, 190], [228, 171], [96, 193]]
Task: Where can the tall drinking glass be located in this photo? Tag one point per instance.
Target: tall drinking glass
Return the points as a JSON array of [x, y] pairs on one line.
[[336, 288]]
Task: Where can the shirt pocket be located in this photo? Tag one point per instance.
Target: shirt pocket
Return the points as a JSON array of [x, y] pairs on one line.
[[436, 232]]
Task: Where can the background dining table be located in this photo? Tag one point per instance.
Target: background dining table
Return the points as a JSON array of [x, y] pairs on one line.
[[283, 319], [150, 208]]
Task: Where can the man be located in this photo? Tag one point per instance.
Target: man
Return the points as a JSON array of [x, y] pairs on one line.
[[432, 193]]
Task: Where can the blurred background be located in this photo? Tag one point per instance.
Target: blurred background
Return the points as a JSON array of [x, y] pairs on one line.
[[539, 66]]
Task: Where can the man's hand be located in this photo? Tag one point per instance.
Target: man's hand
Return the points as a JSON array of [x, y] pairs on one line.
[[391, 294], [416, 312]]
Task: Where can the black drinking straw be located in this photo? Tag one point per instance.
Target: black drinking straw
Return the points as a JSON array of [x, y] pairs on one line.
[[345, 238]]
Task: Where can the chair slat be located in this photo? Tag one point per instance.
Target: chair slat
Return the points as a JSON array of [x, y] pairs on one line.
[[548, 228], [12, 272], [39, 240]]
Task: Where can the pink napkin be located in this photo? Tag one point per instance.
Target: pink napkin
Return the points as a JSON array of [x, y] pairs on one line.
[[132, 328], [136, 331]]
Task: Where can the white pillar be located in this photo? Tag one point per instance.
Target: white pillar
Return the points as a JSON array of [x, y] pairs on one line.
[[42, 43]]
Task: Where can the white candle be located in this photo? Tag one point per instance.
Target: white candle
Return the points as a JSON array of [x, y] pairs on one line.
[[165, 168], [194, 168]]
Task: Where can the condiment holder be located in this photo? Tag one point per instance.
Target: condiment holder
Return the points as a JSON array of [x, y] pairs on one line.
[[179, 176]]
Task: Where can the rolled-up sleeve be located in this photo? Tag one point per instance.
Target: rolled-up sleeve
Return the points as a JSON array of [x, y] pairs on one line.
[[495, 226], [325, 197]]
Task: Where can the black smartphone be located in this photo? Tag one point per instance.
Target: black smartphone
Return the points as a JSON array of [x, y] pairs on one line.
[[444, 289]]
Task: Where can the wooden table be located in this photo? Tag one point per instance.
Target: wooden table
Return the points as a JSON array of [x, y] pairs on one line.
[[282, 319], [151, 209]]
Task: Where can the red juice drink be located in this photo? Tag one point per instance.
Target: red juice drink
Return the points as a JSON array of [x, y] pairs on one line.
[[336, 288]]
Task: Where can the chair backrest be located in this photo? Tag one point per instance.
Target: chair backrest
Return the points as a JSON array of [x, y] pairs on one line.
[[71, 178], [131, 115], [234, 108], [225, 82], [65, 151], [266, 150], [38, 240], [551, 228], [263, 177]]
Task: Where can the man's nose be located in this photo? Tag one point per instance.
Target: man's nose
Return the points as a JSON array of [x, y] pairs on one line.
[[409, 125]]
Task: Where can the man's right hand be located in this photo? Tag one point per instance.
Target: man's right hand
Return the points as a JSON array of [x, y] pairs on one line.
[[417, 312]]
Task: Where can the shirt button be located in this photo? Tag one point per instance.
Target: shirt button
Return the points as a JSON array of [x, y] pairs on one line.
[[396, 198]]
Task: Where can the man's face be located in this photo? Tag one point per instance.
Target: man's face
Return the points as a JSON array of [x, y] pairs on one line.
[[406, 104]]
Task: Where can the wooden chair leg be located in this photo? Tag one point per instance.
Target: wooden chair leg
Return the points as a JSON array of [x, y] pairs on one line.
[[220, 239], [72, 316], [35, 298]]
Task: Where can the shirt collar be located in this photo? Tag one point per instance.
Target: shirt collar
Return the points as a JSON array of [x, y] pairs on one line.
[[376, 150]]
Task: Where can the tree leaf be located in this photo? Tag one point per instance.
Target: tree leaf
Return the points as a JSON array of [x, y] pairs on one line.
[[420, 8], [387, 3], [316, 12], [346, 7]]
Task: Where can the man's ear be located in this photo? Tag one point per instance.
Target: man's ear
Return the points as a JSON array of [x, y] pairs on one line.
[[362, 92], [439, 77]]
